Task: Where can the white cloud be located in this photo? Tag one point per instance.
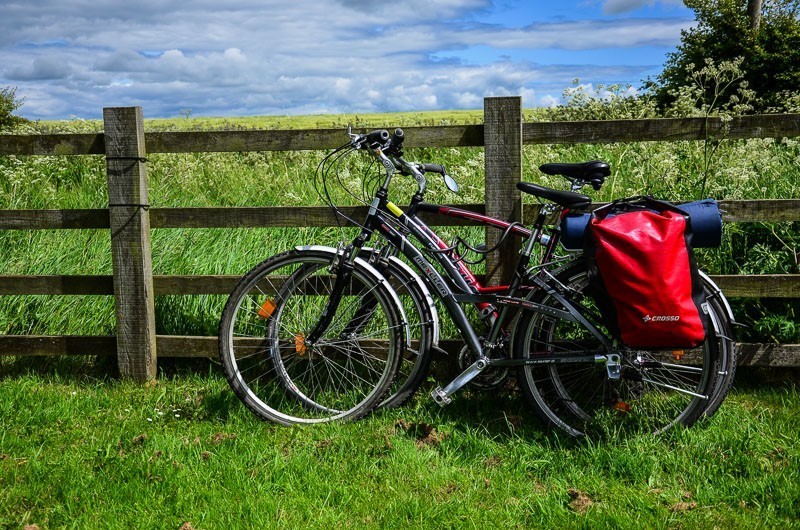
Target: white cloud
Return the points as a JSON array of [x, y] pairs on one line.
[[273, 56], [549, 101]]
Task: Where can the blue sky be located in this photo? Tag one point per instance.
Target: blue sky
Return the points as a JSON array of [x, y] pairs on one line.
[[277, 57]]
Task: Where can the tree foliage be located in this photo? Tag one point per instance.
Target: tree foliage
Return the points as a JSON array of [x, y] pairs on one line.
[[8, 104], [768, 52]]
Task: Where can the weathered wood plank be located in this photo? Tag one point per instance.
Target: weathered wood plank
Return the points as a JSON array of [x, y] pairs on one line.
[[750, 354], [607, 131], [53, 219], [26, 345], [767, 210], [207, 347], [503, 159], [57, 285], [775, 355], [300, 140], [130, 242], [759, 285], [175, 284], [734, 286], [52, 144], [661, 130], [249, 217]]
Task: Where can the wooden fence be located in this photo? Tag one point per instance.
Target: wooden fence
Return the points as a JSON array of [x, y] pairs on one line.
[[130, 220]]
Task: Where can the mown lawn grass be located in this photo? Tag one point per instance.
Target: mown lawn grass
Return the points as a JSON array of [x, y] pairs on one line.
[[86, 453]]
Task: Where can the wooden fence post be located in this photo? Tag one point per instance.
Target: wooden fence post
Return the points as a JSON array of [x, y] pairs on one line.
[[502, 117], [130, 242]]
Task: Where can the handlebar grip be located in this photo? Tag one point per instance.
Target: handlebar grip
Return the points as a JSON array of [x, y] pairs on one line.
[[379, 137], [398, 137], [434, 168]]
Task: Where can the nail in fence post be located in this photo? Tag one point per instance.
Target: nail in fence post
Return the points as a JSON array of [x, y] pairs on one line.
[[502, 118], [130, 242]]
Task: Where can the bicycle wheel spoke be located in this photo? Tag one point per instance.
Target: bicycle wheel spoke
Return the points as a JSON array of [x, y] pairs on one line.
[[653, 392], [286, 379]]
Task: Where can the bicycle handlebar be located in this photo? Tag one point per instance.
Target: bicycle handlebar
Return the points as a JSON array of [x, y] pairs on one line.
[[377, 137], [433, 168], [380, 139]]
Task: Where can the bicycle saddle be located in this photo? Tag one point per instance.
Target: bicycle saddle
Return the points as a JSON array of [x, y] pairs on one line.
[[567, 199], [594, 172]]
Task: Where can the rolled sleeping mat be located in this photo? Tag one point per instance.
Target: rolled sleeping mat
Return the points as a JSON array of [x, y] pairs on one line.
[[704, 216]]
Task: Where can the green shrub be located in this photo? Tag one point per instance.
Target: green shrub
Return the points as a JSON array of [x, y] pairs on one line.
[[8, 104]]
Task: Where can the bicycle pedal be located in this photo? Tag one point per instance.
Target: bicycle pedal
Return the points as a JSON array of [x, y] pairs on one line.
[[440, 397]]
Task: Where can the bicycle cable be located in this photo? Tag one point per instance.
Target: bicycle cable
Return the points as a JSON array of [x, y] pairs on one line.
[[460, 241]]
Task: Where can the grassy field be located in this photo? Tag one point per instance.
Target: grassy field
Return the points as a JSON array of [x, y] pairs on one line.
[[84, 453]]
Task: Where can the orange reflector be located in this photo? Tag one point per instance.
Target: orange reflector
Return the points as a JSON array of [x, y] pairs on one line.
[[622, 406], [300, 344], [678, 354], [267, 308]]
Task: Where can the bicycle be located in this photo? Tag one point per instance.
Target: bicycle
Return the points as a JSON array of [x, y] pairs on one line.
[[340, 360]]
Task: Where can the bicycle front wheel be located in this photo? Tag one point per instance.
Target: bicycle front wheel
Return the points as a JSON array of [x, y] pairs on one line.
[[282, 378], [656, 390]]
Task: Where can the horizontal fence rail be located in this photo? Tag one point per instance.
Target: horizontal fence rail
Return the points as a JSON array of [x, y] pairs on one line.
[[567, 132], [136, 349], [768, 211]]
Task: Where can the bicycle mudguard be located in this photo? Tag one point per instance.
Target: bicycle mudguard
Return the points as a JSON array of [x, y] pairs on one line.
[[705, 217], [716, 292], [369, 269], [410, 275]]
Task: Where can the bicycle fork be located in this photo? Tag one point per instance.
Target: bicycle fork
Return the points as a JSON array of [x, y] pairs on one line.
[[344, 270]]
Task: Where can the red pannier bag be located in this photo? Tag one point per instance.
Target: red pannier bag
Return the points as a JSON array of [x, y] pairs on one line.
[[643, 275]]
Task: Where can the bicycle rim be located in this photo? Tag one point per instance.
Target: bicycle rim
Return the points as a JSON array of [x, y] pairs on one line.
[[282, 378], [418, 310], [657, 390]]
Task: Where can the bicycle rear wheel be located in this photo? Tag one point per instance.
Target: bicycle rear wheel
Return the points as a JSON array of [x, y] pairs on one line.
[[657, 390], [280, 377]]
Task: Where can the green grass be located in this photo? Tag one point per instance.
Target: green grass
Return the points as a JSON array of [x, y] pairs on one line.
[[83, 453]]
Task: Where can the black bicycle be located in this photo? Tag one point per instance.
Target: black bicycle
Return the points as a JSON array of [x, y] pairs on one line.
[[319, 333]]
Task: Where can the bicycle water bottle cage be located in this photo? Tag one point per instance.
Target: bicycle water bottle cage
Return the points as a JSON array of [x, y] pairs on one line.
[[567, 199], [593, 172]]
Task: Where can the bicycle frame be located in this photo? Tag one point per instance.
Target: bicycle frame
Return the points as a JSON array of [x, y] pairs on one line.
[[382, 214]]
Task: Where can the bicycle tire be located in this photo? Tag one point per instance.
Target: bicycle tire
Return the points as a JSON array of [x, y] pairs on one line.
[[657, 390], [272, 370]]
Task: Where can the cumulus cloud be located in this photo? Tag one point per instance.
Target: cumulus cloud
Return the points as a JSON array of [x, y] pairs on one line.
[[273, 56], [616, 7]]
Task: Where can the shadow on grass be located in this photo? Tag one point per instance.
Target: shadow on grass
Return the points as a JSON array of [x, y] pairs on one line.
[[74, 369], [502, 414]]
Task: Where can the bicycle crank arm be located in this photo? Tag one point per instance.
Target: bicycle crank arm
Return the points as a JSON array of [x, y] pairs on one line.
[[443, 396]]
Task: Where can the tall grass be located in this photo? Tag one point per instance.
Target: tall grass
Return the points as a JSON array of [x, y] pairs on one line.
[[746, 169]]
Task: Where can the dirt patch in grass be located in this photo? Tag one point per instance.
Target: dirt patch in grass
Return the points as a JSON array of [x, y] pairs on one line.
[[425, 434], [580, 502]]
